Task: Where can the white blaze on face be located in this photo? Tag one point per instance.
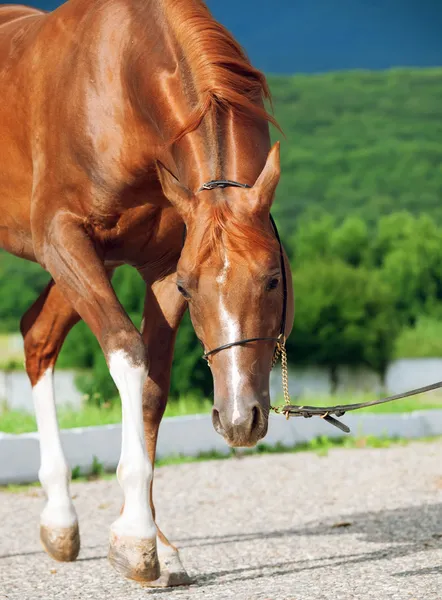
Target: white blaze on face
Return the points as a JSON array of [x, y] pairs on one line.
[[233, 335], [54, 473]]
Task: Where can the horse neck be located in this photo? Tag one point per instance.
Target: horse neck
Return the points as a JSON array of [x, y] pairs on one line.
[[161, 81], [157, 85], [225, 146]]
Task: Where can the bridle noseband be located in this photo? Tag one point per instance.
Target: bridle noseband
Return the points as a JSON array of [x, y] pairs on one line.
[[280, 340]]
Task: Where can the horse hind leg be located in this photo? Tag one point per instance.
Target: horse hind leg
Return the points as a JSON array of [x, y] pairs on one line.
[[44, 328]]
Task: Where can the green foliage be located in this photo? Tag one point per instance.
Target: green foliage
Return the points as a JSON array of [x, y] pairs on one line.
[[344, 315], [358, 286], [20, 283], [76, 473], [409, 250], [422, 340], [190, 373], [97, 468], [359, 143]]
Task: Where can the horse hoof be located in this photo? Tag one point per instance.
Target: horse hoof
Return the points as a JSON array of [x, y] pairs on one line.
[[172, 570], [62, 543], [134, 558], [170, 579]]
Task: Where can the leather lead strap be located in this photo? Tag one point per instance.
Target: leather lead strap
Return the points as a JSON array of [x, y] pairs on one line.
[[293, 410]]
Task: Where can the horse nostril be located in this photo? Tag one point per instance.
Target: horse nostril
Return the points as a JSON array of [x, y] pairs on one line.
[[216, 420], [255, 418]]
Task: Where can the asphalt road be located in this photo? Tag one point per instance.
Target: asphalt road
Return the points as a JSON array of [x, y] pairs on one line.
[[363, 523]]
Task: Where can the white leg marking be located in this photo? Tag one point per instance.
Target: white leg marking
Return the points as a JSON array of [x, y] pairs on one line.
[[134, 470], [233, 329], [54, 473]]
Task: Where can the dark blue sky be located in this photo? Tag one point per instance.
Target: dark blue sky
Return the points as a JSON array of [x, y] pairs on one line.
[[283, 36]]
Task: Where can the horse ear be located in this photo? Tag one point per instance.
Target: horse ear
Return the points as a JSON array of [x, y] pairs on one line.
[[177, 193], [265, 185]]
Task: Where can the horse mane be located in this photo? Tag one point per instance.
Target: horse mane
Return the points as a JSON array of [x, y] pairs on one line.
[[222, 74], [222, 78], [227, 229]]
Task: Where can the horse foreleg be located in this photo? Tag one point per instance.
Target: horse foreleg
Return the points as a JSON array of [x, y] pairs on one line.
[[164, 308], [71, 257], [44, 327]]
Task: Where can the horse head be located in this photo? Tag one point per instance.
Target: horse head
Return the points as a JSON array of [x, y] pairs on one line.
[[236, 278]]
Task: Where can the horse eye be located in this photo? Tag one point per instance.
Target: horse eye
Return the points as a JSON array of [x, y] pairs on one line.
[[183, 292], [272, 284]]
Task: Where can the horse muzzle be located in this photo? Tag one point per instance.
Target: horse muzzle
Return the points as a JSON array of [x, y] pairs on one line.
[[240, 423]]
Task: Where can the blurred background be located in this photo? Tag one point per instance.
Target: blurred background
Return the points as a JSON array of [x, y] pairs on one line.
[[357, 89]]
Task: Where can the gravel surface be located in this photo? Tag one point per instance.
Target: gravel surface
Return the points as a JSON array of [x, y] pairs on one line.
[[363, 523]]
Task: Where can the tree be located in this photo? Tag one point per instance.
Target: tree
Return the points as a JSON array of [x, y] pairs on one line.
[[344, 316], [20, 283], [190, 373], [408, 251]]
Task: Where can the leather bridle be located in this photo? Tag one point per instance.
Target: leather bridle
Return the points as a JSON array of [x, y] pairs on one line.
[[280, 339]]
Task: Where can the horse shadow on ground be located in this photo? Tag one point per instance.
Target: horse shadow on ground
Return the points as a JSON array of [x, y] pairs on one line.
[[416, 523], [402, 532]]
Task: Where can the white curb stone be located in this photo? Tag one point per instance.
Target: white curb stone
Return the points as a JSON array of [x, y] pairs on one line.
[[192, 435]]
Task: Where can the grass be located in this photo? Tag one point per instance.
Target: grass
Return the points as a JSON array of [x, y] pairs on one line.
[[321, 446], [14, 421], [21, 422], [187, 405]]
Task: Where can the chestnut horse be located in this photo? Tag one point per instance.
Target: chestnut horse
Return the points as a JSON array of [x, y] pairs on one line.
[[114, 113]]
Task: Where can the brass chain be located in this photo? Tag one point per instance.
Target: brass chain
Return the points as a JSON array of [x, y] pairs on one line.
[[285, 375], [276, 354], [281, 352]]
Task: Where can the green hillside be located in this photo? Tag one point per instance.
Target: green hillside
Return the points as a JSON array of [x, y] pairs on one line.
[[361, 143]]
